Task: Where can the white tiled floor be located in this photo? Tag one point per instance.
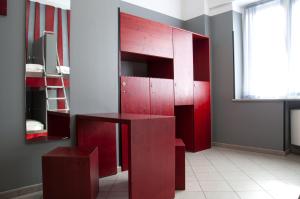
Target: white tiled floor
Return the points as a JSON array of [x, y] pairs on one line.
[[221, 173]]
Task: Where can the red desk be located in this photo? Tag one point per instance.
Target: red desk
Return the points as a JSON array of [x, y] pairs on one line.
[[151, 150]]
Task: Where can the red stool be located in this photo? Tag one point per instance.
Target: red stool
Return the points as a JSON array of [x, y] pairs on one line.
[[179, 165], [70, 173]]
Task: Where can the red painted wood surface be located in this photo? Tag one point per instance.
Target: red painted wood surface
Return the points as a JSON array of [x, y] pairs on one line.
[[201, 59], [58, 124], [185, 125], [150, 136], [152, 159], [202, 115], [162, 96], [3, 7], [135, 98], [183, 67], [37, 22], [91, 133], [49, 18], [69, 30], [39, 82], [180, 165], [27, 22], [145, 37], [30, 136], [60, 38], [61, 104], [135, 95], [70, 173]]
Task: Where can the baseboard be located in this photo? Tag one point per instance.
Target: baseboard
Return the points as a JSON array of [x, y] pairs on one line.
[[21, 191], [251, 149]]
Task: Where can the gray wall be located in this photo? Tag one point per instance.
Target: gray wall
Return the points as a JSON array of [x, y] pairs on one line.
[[149, 14], [198, 25], [257, 124], [20, 163], [94, 51]]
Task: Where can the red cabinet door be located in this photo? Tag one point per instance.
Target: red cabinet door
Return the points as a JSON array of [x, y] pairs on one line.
[[183, 67], [145, 37], [135, 98], [202, 115], [161, 96], [135, 95]]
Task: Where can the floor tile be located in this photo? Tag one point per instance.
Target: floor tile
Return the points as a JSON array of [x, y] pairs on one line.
[[215, 186], [190, 195], [254, 195], [247, 185], [221, 195]]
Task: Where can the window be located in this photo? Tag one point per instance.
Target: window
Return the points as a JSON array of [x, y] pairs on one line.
[[272, 50]]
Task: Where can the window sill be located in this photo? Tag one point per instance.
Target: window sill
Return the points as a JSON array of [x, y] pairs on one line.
[[264, 100]]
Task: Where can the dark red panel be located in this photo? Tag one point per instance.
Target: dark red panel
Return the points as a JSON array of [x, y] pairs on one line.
[[180, 165], [30, 136], [69, 30], [37, 26], [202, 116], [201, 59], [162, 68], [185, 125], [61, 103], [183, 67], [145, 37], [3, 7], [58, 124], [49, 18], [135, 98], [38, 82], [152, 159], [60, 38], [27, 22], [70, 173], [91, 133], [162, 96]]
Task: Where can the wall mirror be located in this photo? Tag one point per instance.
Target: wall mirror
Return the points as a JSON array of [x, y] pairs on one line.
[[47, 70]]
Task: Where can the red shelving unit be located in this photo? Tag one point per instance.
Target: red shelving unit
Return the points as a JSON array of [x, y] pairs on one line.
[[175, 78]]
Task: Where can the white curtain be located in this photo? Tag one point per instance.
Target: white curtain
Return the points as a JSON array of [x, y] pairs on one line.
[[271, 45], [294, 70]]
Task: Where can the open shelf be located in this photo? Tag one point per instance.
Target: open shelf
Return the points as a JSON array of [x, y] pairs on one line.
[[146, 66], [201, 58]]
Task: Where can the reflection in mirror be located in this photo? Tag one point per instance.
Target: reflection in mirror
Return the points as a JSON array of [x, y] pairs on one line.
[[47, 69]]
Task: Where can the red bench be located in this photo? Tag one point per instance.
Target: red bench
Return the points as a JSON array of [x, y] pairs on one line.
[[180, 165], [70, 173]]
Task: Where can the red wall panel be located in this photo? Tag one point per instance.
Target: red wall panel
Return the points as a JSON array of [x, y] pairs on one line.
[[183, 67], [202, 115], [145, 37], [162, 96]]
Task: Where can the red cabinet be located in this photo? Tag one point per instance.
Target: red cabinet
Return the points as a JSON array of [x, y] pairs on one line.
[[145, 37], [183, 67], [162, 96], [202, 121]]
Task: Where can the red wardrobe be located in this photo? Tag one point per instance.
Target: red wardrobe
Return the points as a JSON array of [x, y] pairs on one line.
[[170, 75]]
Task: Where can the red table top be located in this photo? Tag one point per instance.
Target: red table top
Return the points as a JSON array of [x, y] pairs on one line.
[[71, 152], [121, 117]]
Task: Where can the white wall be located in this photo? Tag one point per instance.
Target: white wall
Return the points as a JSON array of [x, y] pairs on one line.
[[193, 8], [171, 8], [188, 9]]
